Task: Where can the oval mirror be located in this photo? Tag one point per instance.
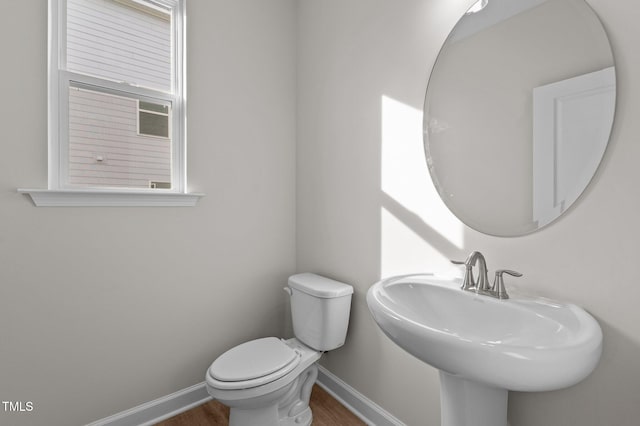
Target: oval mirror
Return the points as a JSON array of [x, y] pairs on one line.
[[518, 112]]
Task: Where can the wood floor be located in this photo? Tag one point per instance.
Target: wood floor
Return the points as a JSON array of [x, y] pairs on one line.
[[326, 412]]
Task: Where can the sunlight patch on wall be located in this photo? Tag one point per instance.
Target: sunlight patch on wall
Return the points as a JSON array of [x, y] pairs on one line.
[[402, 251], [415, 223]]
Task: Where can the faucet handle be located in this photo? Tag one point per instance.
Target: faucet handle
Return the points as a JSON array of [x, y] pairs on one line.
[[468, 281], [498, 288]]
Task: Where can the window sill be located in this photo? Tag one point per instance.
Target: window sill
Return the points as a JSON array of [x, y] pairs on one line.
[[88, 198]]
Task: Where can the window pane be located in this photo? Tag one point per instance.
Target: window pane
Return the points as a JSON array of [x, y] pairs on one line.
[[105, 149], [148, 106], [154, 124], [122, 40]]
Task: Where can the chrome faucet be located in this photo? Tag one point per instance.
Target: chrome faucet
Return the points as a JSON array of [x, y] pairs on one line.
[[469, 283], [481, 286]]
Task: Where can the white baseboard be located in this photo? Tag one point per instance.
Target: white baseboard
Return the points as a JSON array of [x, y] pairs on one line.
[[367, 410], [159, 409], [168, 406]]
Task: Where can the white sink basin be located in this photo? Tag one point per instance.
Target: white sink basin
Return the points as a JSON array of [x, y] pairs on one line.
[[530, 344]]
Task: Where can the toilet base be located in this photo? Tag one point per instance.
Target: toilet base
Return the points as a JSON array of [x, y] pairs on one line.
[[289, 407], [268, 416], [302, 419]]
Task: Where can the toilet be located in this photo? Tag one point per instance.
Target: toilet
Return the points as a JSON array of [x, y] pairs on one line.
[[268, 381]]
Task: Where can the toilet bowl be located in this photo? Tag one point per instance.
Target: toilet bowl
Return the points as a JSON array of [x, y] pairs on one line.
[[268, 381], [276, 392]]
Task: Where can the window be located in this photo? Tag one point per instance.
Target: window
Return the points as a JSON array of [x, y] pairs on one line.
[[153, 119], [116, 105]]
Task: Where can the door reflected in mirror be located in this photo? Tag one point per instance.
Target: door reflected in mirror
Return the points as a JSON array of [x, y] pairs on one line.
[[518, 112]]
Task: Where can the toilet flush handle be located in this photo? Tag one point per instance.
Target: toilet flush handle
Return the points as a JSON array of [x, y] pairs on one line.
[[288, 290]]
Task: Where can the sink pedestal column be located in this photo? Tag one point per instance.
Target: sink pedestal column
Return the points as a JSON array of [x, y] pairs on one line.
[[468, 403]]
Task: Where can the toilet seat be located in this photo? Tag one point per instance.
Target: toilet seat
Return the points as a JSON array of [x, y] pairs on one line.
[[253, 364]]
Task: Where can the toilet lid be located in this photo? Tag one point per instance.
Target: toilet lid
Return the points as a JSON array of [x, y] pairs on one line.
[[254, 359]]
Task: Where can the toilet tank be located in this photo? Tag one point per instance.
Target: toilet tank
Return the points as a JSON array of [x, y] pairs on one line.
[[320, 310]]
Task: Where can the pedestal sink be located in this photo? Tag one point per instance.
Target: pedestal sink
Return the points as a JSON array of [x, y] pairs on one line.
[[483, 346]]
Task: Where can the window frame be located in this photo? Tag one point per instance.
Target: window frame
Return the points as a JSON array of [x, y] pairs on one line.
[[60, 79]]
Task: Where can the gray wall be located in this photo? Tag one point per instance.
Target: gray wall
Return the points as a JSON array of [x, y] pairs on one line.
[[106, 308], [366, 208], [103, 309]]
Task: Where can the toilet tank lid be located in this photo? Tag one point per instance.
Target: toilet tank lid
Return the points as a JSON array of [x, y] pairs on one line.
[[319, 286]]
